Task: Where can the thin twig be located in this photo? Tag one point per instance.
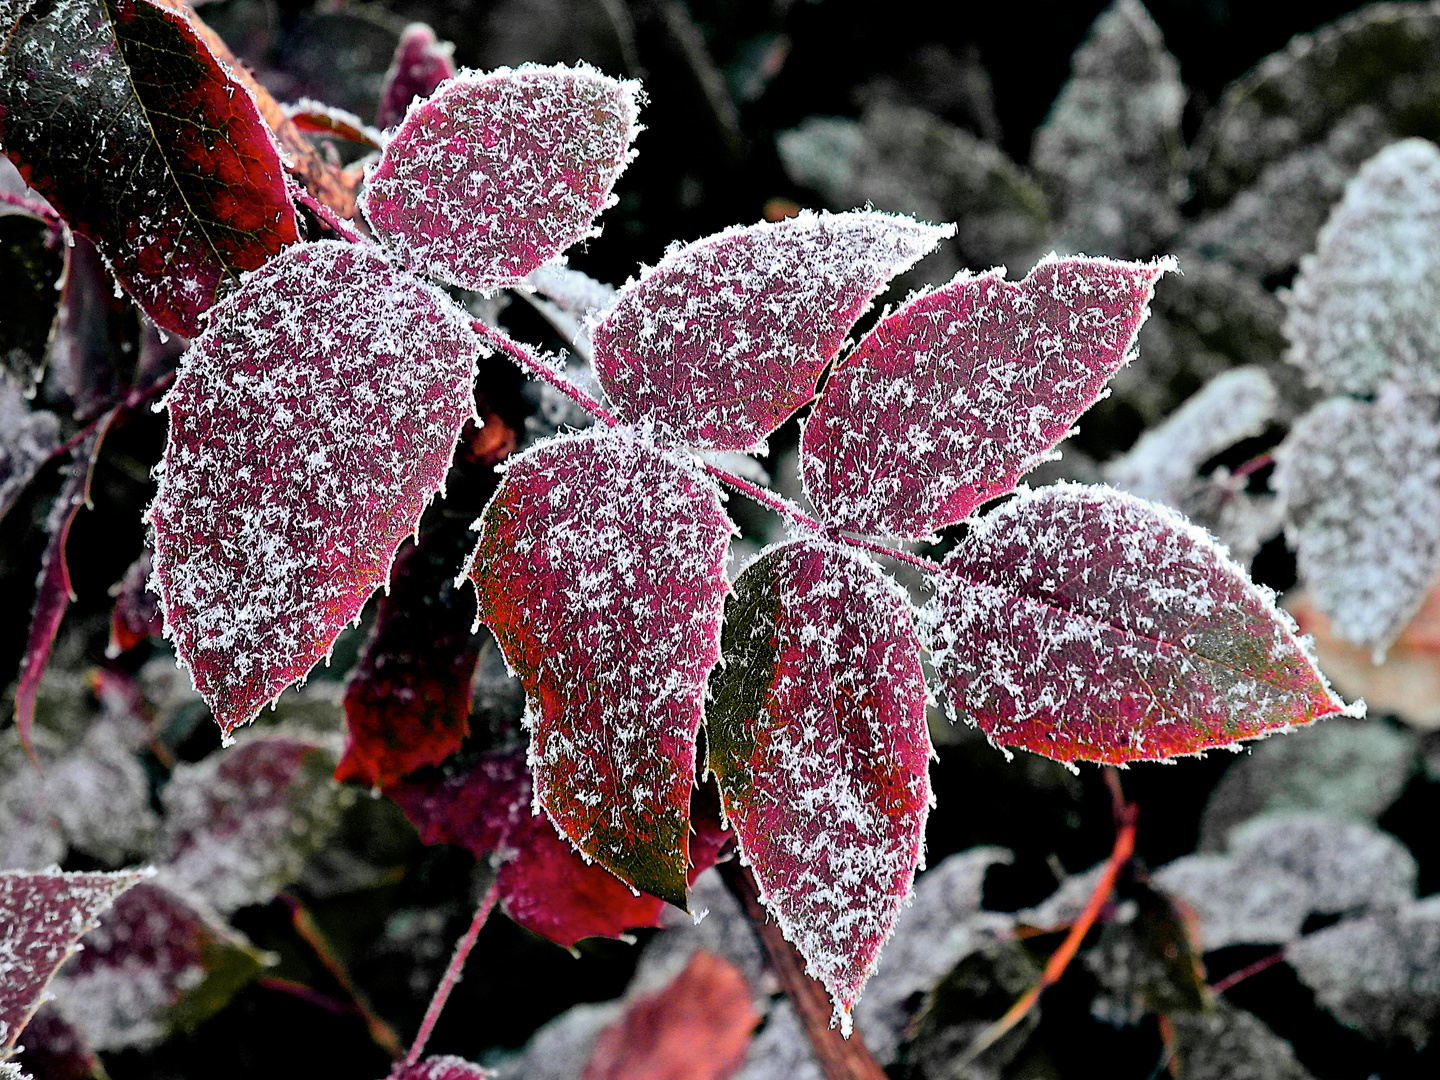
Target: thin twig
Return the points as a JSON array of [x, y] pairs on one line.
[[452, 974], [307, 993], [325, 214], [127, 403], [1221, 985], [528, 360]]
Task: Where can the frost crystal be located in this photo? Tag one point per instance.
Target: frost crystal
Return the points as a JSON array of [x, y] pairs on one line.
[[1361, 484], [309, 426], [953, 398], [721, 342], [496, 174], [1082, 623], [818, 739], [1366, 306], [601, 571]]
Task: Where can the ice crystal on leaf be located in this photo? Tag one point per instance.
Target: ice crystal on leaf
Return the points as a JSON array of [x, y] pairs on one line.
[[496, 174], [817, 736], [953, 398], [1085, 624], [717, 345], [309, 426], [441, 1067]]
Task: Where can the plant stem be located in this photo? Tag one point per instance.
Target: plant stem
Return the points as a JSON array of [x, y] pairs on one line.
[[325, 214], [840, 1058], [135, 397], [527, 359], [452, 973], [1221, 985]]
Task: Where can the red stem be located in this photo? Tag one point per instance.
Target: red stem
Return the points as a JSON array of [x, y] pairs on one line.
[[135, 397], [1220, 986], [325, 214], [452, 975], [529, 360], [44, 213]]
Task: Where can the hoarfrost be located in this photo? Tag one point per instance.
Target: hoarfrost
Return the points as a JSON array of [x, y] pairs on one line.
[[27, 438]]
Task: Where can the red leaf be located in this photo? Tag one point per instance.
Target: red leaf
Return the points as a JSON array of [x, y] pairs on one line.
[[309, 426], [697, 1028], [953, 398], [440, 1067], [817, 736], [421, 64], [146, 144], [1084, 624], [42, 918], [497, 174], [721, 342], [312, 116], [601, 571], [136, 615], [54, 1050]]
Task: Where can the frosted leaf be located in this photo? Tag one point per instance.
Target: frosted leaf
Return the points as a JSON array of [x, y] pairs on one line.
[[1379, 973], [54, 1050], [1361, 484], [309, 426], [156, 964], [1110, 153], [495, 175], [440, 1067], [601, 570], [1147, 959], [817, 736], [953, 398], [241, 823], [421, 64], [136, 615], [99, 792], [1083, 624], [1365, 308], [121, 116], [42, 918], [1226, 1043], [717, 345], [26, 439]]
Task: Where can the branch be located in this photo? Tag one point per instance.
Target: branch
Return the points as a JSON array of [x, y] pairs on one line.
[[529, 361], [840, 1058], [327, 216]]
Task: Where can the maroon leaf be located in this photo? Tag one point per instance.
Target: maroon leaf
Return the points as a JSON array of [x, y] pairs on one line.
[[817, 735], [309, 426], [953, 398], [601, 571], [54, 1050], [84, 349], [697, 1028], [421, 64], [136, 615], [440, 1067], [42, 918], [1085, 624], [723, 340], [146, 144], [497, 174]]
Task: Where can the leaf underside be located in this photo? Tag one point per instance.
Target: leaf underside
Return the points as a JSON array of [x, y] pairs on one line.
[[717, 345], [1084, 624], [950, 400], [601, 570], [146, 145], [309, 426], [817, 736]]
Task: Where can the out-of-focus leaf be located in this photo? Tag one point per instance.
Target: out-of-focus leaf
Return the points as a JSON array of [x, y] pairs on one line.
[[1361, 484], [1227, 1043], [316, 118], [99, 794], [42, 918], [1379, 973], [146, 144], [86, 342], [54, 1050], [241, 823], [156, 965], [309, 426], [601, 570], [1365, 307], [421, 64], [697, 1028], [496, 175], [817, 737], [136, 615], [1110, 153], [951, 399], [1083, 624], [31, 262], [27, 438], [1148, 960], [717, 345]]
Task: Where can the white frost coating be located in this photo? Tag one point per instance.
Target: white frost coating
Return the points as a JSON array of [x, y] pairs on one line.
[[1361, 485], [580, 295], [26, 439], [1366, 306]]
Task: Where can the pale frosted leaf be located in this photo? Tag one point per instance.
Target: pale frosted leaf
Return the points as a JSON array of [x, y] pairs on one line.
[[1365, 308], [26, 439], [1084, 624], [724, 339], [309, 426], [953, 398], [1227, 1043], [1361, 484], [1110, 153], [99, 792], [601, 570], [817, 736], [495, 175]]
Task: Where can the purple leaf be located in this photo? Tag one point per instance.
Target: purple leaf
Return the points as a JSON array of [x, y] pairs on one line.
[[953, 398], [498, 174], [54, 1050], [309, 426], [817, 735], [421, 64], [42, 918], [721, 342], [1084, 624], [136, 615], [601, 571], [440, 1067]]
